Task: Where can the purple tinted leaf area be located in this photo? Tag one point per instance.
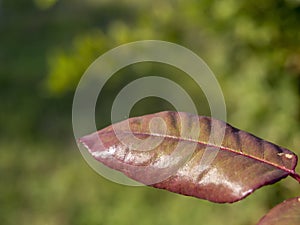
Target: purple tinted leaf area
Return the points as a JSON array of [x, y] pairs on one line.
[[184, 160], [286, 213]]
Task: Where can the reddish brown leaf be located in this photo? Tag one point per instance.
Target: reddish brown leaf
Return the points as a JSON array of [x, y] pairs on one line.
[[286, 213], [174, 156]]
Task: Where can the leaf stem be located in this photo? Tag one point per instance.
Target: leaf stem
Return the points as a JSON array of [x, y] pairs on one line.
[[295, 176]]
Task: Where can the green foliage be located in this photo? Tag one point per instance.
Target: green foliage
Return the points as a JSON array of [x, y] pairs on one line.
[[66, 70], [58, 188], [46, 45]]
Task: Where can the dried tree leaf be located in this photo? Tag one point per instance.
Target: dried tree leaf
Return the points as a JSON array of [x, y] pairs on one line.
[[178, 153], [286, 213]]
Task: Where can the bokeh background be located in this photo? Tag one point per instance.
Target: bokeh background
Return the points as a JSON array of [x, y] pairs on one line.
[[253, 47]]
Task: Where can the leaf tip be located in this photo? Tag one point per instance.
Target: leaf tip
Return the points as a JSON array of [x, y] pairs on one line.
[[82, 141]]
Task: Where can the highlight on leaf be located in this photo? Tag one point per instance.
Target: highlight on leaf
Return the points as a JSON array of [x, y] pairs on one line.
[[182, 155]]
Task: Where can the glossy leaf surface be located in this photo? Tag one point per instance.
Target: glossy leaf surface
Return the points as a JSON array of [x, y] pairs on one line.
[[286, 213], [175, 155]]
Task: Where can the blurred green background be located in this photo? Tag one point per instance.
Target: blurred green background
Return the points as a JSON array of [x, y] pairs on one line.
[[253, 47]]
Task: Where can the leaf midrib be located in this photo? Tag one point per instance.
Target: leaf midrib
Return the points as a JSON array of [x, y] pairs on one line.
[[283, 168]]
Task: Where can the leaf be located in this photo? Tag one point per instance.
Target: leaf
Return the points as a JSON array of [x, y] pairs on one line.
[[180, 152], [286, 213]]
